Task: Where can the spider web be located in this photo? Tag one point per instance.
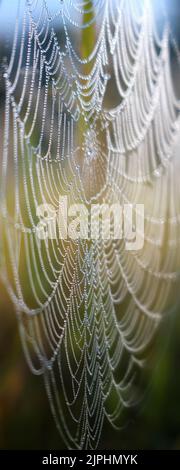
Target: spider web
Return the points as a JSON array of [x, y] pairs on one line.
[[97, 125]]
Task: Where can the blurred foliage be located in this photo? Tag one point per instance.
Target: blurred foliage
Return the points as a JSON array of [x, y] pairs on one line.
[[88, 35]]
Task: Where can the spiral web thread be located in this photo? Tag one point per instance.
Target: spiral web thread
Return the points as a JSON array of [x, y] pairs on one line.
[[88, 310]]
